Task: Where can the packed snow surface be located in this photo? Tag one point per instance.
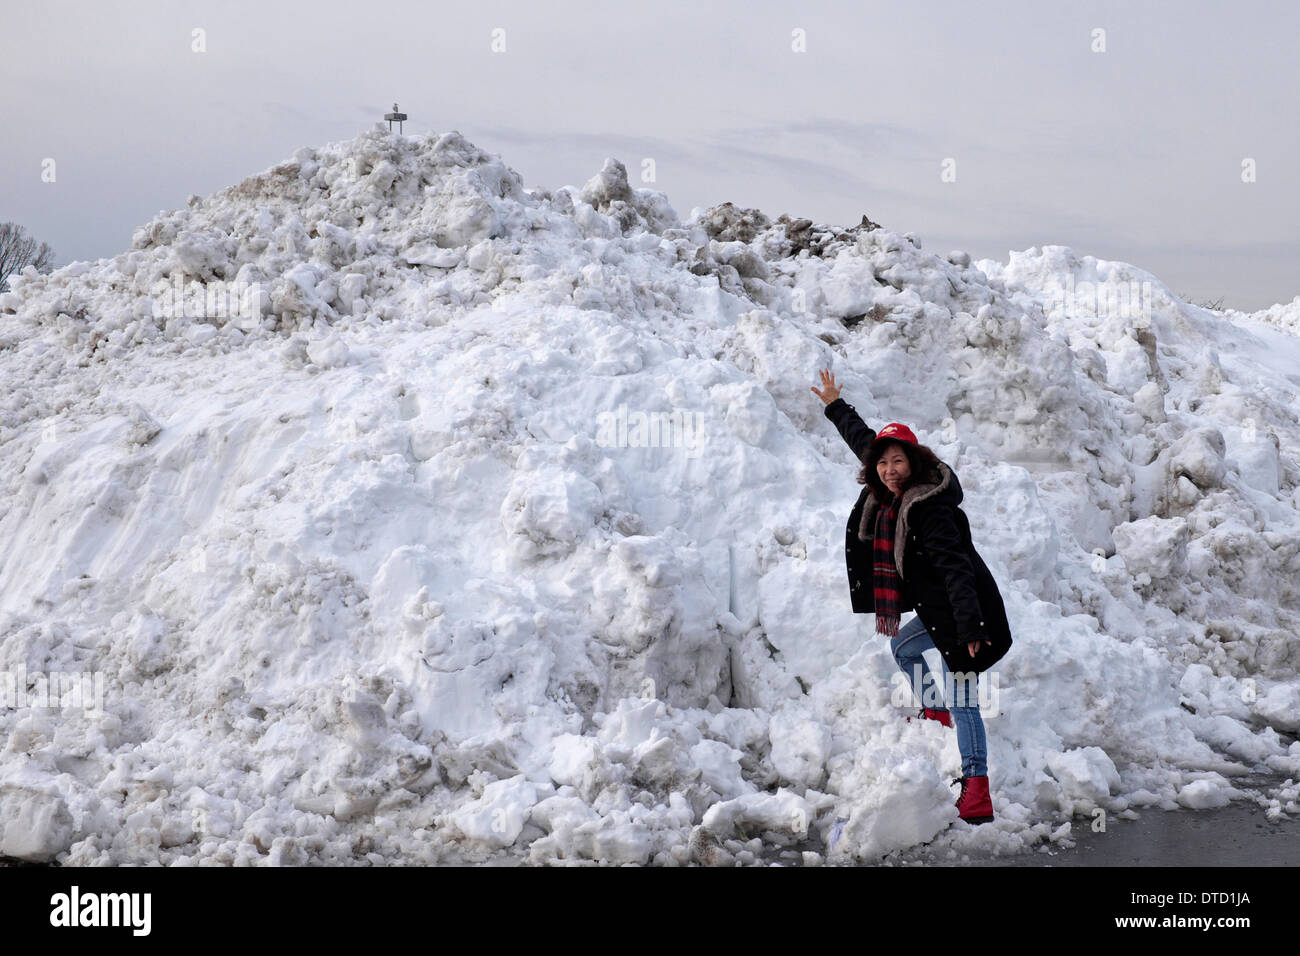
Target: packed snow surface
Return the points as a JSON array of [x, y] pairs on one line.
[[505, 522]]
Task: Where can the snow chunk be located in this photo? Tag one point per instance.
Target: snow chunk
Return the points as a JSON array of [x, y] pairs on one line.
[[35, 824], [573, 761], [329, 352], [1086, 775], [497, 817], [784, 811], [1206, 793], [800, 746], [548, 510], [1154, 546]]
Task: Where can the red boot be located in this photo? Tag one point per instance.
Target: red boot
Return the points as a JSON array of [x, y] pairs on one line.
[[974, 804], [944, 717]]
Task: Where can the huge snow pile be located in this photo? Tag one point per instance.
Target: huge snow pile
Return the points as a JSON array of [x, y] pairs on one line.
[[504, 521]]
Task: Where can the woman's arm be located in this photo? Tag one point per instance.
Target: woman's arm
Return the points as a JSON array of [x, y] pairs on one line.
[[851, 427]]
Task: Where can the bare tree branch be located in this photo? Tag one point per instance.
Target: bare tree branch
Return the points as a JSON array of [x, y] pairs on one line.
[[19, 250]]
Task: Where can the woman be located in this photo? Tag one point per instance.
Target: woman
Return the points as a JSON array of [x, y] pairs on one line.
[[908, 547]]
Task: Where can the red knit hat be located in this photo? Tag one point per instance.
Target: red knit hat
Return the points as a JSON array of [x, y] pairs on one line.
[[894, 430]]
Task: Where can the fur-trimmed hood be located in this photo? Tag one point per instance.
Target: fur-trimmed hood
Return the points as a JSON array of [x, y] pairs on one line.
[[945, 488]]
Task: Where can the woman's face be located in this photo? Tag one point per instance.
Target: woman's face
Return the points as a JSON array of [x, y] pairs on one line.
[[893, 469]]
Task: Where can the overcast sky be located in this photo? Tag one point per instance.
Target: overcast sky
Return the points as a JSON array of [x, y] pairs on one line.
[[1134, 153]]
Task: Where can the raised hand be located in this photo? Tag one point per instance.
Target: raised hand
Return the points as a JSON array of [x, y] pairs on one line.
[[829, 390]]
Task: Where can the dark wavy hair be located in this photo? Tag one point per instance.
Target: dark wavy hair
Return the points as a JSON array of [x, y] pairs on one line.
[[922, 461]]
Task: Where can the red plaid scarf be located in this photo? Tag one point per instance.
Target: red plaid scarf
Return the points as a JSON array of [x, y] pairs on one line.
[[885, 580]]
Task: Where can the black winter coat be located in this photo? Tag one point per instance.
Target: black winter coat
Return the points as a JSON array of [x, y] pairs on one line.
[[943, 577]]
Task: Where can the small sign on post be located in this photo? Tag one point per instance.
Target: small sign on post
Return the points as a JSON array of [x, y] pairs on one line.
[[395, 117]]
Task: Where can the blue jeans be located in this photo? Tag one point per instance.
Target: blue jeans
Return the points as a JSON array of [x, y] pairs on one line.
[[912, 639]]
